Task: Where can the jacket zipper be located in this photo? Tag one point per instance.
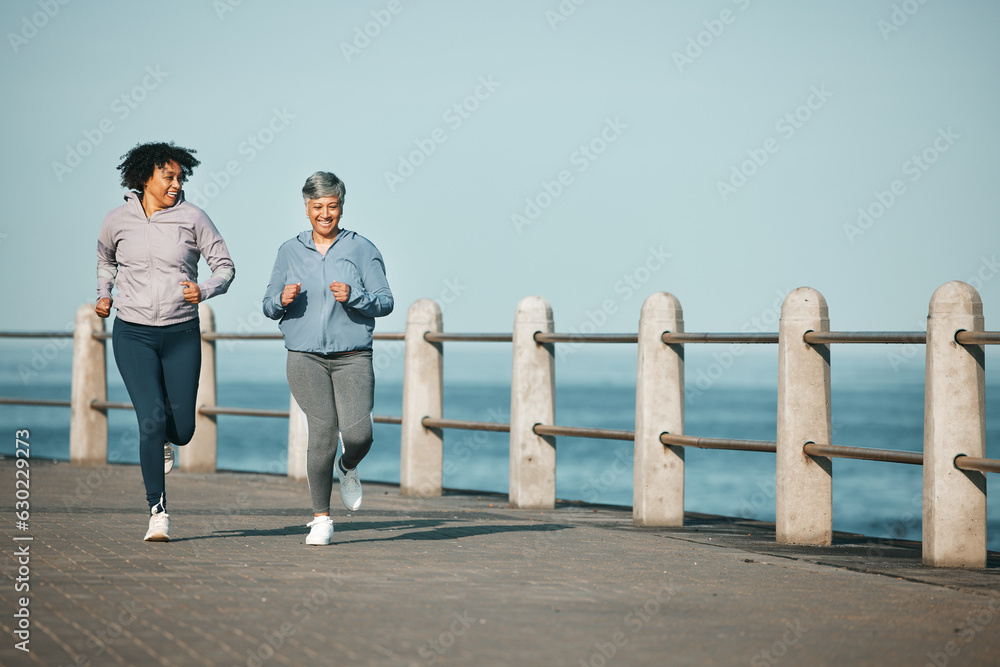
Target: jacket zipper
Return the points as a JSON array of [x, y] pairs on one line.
[[326, 293], [152, 273]]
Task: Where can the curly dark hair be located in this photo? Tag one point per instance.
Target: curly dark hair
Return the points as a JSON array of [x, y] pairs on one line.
[[138, 164]]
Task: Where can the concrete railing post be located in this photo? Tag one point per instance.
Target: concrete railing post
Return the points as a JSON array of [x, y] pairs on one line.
[[199, 455], [804, 512], [88, 431], [954, 503], [421, 449], [532, 401], [298, 441], [658, 486]]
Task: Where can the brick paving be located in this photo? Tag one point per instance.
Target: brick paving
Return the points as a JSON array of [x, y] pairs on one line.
[[457, 580]]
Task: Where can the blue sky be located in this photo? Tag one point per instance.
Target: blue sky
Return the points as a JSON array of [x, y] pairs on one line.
[[724, 151]]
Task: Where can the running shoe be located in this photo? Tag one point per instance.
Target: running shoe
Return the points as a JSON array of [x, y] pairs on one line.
[[168, 458], [350, 486], [159, 527], [321, 531]]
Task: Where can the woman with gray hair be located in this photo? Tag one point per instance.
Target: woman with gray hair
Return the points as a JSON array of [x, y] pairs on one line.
[[327, 287]]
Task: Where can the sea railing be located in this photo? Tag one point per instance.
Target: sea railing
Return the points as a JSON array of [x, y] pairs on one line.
[[954, 486]]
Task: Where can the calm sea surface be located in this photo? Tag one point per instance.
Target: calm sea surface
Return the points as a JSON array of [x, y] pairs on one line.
[[878, 399]]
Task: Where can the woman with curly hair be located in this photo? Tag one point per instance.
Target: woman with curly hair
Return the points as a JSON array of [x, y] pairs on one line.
[[149, 249]]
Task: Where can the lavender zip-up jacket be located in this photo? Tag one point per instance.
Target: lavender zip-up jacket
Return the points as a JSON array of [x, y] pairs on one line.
[[147, 258]]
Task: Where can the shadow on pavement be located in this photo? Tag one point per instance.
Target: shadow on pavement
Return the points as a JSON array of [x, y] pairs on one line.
[[420, 529]]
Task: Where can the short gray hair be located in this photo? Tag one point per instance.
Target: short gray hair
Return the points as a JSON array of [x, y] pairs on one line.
[[324, 184]]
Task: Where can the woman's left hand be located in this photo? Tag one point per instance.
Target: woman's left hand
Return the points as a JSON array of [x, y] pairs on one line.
[[192, 293], [341, 291]]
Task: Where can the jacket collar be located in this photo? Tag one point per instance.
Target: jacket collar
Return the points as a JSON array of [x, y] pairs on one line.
[[133, 198], [306, 238]]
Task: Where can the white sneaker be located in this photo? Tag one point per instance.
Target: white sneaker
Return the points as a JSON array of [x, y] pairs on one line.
[[350, 487], [321, 531], [168, 458], [159, 527]]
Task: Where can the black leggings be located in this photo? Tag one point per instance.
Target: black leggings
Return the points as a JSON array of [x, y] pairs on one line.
[[160, 367]]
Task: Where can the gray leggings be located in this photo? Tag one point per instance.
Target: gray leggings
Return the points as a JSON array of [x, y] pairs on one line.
[[337, 394]]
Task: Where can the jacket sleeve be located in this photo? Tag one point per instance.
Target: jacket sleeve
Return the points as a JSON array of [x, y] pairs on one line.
[[213, 248], [272, 295], [107, 260], [373, 298]]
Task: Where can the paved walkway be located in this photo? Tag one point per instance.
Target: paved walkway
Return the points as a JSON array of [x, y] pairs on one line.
[[457, 580]]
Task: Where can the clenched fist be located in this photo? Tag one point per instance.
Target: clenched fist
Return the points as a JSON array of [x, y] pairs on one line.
[[192, 293], [341, 291], [103, 308], [289, 293]]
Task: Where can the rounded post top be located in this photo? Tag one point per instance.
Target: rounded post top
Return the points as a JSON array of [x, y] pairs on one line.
[[424, 310], [804, 303], [662, 304], [956, 298], [533, 309]]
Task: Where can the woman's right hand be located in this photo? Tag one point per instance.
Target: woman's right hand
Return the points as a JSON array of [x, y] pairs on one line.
[[289, 293], [103, 308]]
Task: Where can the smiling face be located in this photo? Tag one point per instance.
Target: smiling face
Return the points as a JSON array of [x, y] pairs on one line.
[[324, 214], [162, 188]]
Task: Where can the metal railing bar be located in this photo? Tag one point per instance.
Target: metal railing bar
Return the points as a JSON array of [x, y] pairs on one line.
[[219, 335], [977, 337], [36, 334], [718, 443], [440, 336], [431, 422], [53, 403], [242, 412], [975, 463], [863, 453], [544, 338], [822, 337], [811, 337], [389, 336], [584, 432], [104, 405], [693, 337]]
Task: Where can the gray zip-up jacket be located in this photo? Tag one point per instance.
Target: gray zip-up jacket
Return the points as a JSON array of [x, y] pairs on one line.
[[316, 322], [147, 258]]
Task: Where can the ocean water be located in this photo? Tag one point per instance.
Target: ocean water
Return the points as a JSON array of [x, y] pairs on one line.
[[878, 395]]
